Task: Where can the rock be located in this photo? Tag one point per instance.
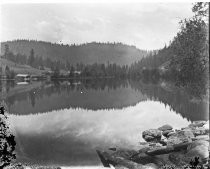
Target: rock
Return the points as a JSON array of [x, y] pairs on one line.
[[206, 126], [181, 146], [120, 167], [199, 149], [178, 137], [166, 132], [116, 159], [144, 159], [152, 135], [201, 137], [199, 123], [160, 150], [143, 150], [200, 131], [165, 127], [198, 143], [163, 142], [171, 134], [113, 148], [125, 153], [177, 158], [151, 166], [126, 163], [149, 139], [188, 133], [155, 145], [103, 158], [187, 128], [143, 143]]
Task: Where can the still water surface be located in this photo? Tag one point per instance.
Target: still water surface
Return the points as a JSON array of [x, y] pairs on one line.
[[62, 123]]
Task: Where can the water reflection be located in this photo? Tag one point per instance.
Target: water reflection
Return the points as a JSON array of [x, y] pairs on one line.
[[99, 94], [62, 122], [70, 136]]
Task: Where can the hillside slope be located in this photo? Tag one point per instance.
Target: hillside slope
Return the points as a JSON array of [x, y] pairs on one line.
[[18, 68], [86, 53]]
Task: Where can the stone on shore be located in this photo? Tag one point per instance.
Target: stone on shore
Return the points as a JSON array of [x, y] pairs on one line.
[[165, 127], [152, 135], [177, 148], [177, 140], [202, 137], [166, 132], [200, 131], [199, 123], [160, 150], [198, 148]]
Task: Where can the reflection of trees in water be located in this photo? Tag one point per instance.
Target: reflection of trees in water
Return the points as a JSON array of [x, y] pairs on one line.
[[57, 87], [32, 97], [178, 100]]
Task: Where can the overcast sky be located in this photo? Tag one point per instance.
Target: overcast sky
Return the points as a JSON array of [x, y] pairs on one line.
[[145, 25]]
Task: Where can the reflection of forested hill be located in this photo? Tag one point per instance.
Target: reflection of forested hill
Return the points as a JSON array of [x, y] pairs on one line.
[[177, 99], [100, 94], [89, 94]]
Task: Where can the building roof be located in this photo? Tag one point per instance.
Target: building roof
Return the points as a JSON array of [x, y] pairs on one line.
[[22, 75]]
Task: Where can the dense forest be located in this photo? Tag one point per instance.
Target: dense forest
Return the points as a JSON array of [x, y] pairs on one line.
[[88, 53]]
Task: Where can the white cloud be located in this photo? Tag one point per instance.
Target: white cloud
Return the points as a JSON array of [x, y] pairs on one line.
[[148, 26]]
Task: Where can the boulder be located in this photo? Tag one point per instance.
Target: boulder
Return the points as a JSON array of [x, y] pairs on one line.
[[206, 126], [163, 142], [177, 158], [199, 123], [171, 134], [144, 159], [199, 149], [150, 138], [117, 159], [165, 127], [178, 137], [125, 153], [143, 143], [188, 133], [155, 145], [152, 135], [202, 137], [166, 132], [200, 131], [160, 150]]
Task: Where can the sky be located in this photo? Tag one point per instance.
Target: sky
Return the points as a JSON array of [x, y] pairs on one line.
[[145, 25]]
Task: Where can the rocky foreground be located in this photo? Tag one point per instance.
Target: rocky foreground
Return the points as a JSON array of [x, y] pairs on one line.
[[164, 148]]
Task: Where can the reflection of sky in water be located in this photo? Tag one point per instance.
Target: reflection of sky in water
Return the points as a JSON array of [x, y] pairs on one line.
[[70, 136]]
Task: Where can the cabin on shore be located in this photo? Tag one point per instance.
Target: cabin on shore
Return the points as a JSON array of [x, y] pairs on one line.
[[23, 77]]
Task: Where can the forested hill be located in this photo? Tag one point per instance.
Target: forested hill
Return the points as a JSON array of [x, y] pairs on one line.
[[89, 53]]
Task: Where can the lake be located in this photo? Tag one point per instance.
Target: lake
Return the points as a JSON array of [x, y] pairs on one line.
[[63, 122]]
